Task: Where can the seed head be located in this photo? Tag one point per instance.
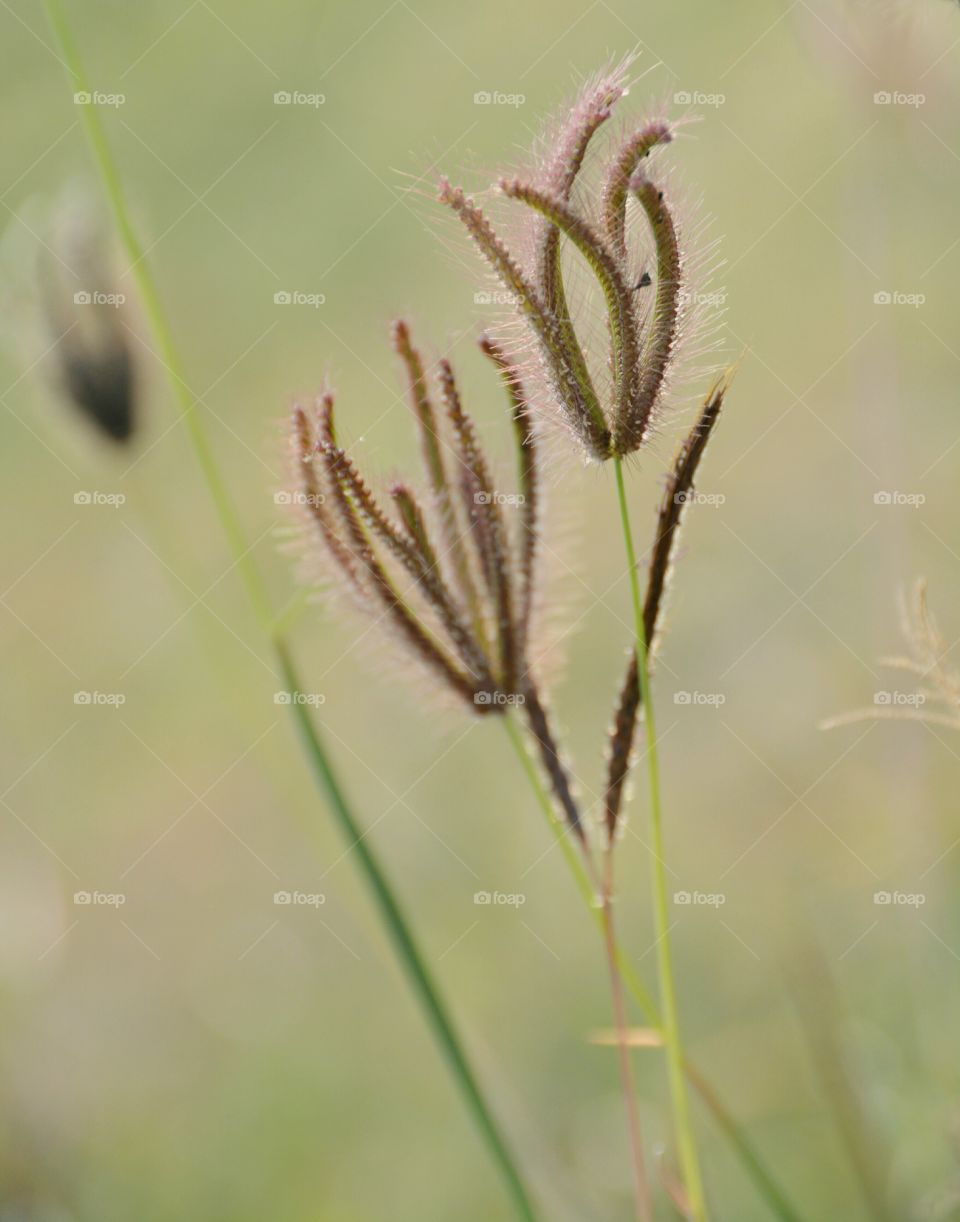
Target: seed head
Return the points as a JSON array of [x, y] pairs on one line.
[[643, 305], [445, 569]]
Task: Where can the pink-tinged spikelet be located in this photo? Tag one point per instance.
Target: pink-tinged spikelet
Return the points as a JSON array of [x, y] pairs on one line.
[[445, 571], [611, 405]]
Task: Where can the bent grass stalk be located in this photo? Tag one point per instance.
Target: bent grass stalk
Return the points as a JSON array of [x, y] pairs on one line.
[[598, 895], [753, 1164], [686, 1141], [391, 912]]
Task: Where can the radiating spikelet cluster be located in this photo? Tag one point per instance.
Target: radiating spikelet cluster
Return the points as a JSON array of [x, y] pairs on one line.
[[451, 572], [647, 307]]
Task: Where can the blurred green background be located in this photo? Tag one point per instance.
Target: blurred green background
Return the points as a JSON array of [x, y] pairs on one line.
[[202, 1052]]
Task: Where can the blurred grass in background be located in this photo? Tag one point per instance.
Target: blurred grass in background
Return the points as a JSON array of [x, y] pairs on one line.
[[204, 1052]]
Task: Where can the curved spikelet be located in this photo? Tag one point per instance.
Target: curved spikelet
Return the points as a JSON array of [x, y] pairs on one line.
[[620, 172], [558, 344], [569, 147], [661, 335], [624, 340]]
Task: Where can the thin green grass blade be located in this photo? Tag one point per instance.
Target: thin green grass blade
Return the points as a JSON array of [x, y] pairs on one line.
[[384, 897], [401, 938]]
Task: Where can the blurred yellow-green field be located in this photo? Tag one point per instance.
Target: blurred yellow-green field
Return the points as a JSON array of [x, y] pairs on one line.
[[195, 1049]]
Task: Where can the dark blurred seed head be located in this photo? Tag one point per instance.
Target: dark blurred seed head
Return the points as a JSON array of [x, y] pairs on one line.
[[83, 309], [98, 379], [64, 309]]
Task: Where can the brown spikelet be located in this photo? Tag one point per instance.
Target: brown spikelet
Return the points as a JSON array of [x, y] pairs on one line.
[[675, 498], [617, 182], [422, 407], [558, 345], [412, 517], [410, 558], [431, 445], [624, 340], [569, 149], [632, 425], [550, 755], [315, 498], [486, 519], [528, 484], [342, 482]]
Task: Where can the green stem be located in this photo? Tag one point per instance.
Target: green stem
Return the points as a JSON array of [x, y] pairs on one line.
[[398, 929], [763, 1180], [388, 906], [686, 1142], [599, 900], [641, 1184]]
